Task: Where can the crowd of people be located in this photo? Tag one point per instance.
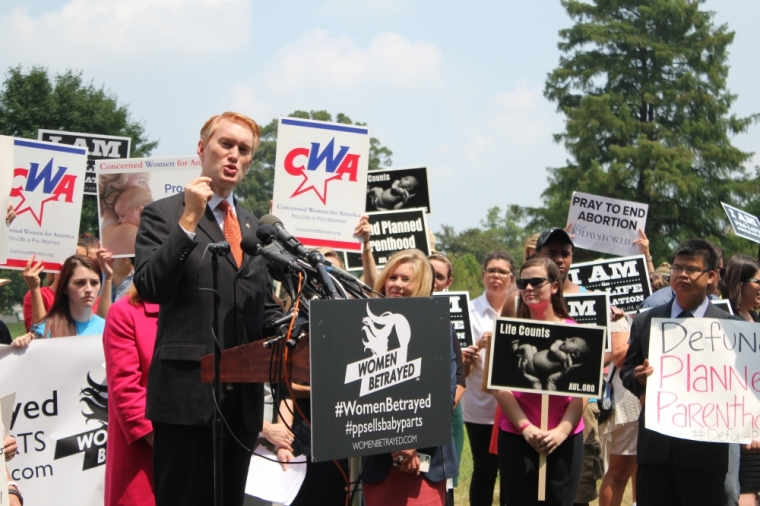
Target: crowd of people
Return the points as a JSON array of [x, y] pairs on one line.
[[153, 320]]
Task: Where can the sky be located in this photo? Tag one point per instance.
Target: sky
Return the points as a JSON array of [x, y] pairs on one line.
[[454, 86]]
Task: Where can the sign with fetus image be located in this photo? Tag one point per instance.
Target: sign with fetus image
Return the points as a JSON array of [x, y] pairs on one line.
[[391, 189], [546, 358], [126, 186]]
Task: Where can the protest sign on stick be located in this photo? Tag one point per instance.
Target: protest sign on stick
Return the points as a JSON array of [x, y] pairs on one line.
[[97, 145], [393, 189], [125, 187], [320, 181], [706, 380], [60, 419], [605, 224], [6, 176], [744, 224], [393, 231], [546, 358], [46, 193], [625, 279]]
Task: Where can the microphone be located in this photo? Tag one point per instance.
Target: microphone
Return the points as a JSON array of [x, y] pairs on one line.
[[253, 246], [343, 275], [286, 238], [220, 248]]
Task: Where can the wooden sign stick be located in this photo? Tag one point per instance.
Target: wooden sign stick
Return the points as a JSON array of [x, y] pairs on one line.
[[541, 456]]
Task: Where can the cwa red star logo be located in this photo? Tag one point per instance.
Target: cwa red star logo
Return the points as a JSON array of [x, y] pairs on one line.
[[36, 187], [315, 178]]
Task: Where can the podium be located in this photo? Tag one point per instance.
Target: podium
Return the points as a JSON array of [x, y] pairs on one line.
[[253, 363]]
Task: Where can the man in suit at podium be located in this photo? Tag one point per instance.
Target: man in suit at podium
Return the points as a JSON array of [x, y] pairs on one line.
[[675, 471], [171, 270]]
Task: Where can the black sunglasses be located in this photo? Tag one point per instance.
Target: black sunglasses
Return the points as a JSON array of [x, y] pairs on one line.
[[523, 283]]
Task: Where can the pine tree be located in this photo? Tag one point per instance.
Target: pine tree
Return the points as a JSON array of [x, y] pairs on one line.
[[642, 84]]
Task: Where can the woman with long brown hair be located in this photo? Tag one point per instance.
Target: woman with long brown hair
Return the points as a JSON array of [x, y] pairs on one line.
[[520, 438], [71, 313]]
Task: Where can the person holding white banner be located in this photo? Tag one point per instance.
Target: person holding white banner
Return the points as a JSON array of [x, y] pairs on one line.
[[71, 313], [674, 471], [520, 438]]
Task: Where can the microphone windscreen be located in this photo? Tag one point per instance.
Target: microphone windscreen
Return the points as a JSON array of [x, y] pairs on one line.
[[266, 233], [269, 219], [250, 244]]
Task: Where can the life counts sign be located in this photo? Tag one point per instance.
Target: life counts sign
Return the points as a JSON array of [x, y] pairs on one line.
[[380, 376], [546, 358], [625, 279], [606, 225], [706, 380], [98, 146]]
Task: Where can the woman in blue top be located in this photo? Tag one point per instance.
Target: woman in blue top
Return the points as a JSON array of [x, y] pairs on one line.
[[71, 313]]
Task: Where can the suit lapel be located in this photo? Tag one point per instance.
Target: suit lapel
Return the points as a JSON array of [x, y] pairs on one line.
[[209, 226]]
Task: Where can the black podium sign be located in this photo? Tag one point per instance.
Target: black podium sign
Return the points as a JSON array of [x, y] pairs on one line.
[[380, 376], [546, 358]]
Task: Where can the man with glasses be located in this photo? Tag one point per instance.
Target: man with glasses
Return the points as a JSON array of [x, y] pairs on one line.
[[666, 294], [676, 471]]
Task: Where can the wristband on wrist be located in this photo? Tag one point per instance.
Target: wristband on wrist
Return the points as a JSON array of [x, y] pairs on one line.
[[14, 491], [524, 426]]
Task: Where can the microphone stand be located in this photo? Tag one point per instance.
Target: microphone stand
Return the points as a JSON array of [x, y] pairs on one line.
[[216, 251]]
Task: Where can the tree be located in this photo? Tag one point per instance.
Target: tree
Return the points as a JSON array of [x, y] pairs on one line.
[[33, 100], [255, 190], [642, 84], [504, 230]]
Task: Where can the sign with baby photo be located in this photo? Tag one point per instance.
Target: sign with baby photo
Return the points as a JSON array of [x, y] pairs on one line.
[[320, 179], [393, 231], [590, 308], [546, 358], [97, 145], [625, 279], [46, 194], [391, 189], [125, 187]]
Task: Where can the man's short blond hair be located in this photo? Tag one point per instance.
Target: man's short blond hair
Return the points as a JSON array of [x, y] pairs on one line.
[[210, 126]]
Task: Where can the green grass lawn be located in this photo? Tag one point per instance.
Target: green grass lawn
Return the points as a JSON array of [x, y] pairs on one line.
[[461, 493], [16, 329]]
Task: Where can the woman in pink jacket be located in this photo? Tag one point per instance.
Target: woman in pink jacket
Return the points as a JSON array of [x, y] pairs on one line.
[[128, 340]]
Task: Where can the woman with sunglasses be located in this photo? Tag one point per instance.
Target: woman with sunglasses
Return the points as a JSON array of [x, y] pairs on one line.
[[740, 284], [478, 407], [520, 438], [395, 478]]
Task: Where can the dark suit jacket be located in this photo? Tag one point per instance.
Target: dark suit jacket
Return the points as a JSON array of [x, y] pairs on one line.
[[655, 448], [170, 271]]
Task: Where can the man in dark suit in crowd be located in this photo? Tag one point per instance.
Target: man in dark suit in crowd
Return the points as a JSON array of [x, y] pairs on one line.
[[171, 270], [675, 471]]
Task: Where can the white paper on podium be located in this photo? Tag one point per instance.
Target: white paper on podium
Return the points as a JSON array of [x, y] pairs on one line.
[[267, 481]]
